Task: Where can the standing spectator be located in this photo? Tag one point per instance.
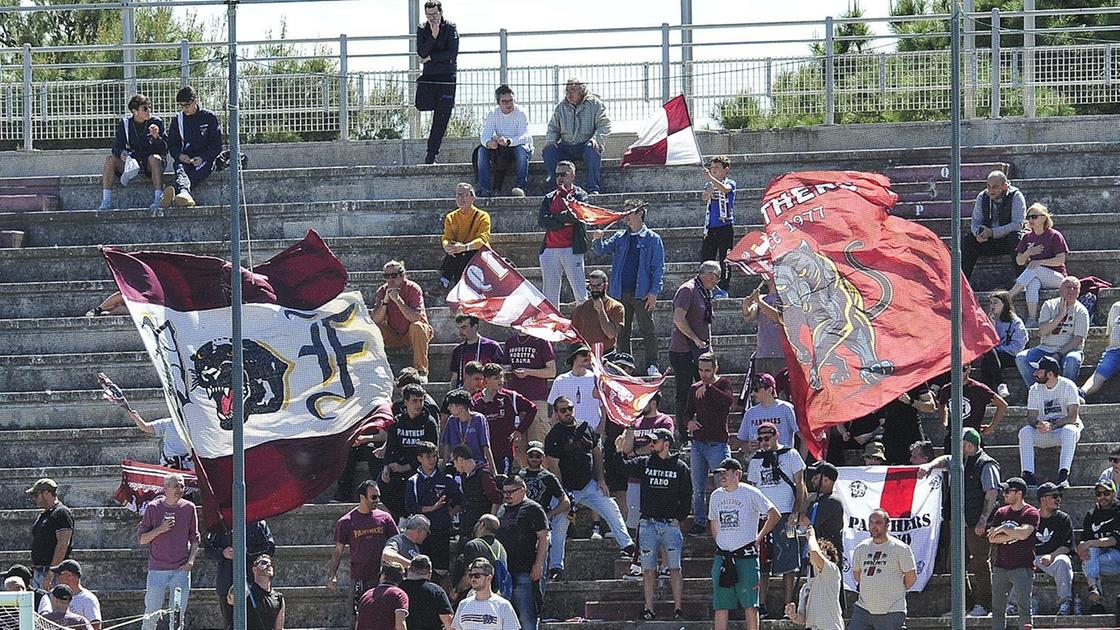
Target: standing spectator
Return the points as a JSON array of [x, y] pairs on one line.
[[1013, 563], [385, 606], [485, 544], [509, 415], [874, 454], [480, 493], [1112, 473], [577, 131], [532, 361], [472, 347], [405, 546], [637, 277], [1012, 340], [901, 424], [641, 443], [484, 609], [415, 424], [997, 220], [767, 408], [778, 471], [433, 494], [468, 428], [523, 531], [466, 229], [505, 138], [719, 216], [428, 606], [578, 386], [169, 528], [140, 137], [398, 311], [1109, 365], [365, 528], [692, 327], [83, 602], [818, 604], [60, 615], [734, 513], [219, 544], [977, 396], [1061, 333], [264, 606], [1042, 249], [1099, 548], [705, 419], [1053, 544], [599, 319], [565, 237], [194, 142], [1052, 420], [437, 45], [409, 376], [52, 535], [884, 570], [666, 500], [769, 356], [545, 488], [826, 513]]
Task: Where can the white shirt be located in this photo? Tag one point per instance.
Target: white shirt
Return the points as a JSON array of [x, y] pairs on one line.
[[495, 613], [1052, 403], [1113, 327], [173, 443], [1075, 324], [736, 514], [881, 568], [581, 391], [514, 125], [779, 412], [770, 483]]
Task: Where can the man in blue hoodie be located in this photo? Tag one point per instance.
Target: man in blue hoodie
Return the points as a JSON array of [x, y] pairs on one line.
[[141, 137], [194, 141]]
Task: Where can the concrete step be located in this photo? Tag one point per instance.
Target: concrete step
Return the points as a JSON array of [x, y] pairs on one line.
[[912, 622], [28, 202]]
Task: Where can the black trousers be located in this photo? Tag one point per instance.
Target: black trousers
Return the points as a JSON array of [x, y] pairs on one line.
[[972, 250], [717, 242], [436, 94], [991, 363], [345, 489], [451, 269], [685, 368]]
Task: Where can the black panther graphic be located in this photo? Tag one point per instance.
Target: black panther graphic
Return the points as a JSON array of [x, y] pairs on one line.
[[264, 378]]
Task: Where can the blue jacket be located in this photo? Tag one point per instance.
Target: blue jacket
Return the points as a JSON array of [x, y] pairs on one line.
[[423, 491], [651, 261], [201, 136], [134, 138]]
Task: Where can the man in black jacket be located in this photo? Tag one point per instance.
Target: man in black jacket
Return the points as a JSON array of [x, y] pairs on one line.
[[437, 45], [194, 141], [666, 500], [565, 237], [219, 541]]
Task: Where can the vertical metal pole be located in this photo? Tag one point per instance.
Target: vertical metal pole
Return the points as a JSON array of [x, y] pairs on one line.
[[503, 57], [686, 48], [413, 69], [956, 465], [238, 524], [829, 71], [343, 89], [184, 63], [128, 32], [1028, 59], [996, 64], [666, 64], [27, 143], [969, 50]]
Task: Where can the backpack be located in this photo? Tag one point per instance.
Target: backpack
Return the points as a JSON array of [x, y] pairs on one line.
[[503, 579], [1090, 292]]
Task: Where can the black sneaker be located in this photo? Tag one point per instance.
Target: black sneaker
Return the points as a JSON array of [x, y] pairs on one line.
[[648, 615], [555, 574], [1063, 478], [762, 614], [1097, 607], [628, 550], [678, 615], [697, 530]]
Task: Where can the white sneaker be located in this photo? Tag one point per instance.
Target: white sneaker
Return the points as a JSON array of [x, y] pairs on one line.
[[609, 535], [183, 200], [978, 611], [595, 535], [1003, 392], [517, 192], [653, 371], [635, 573]]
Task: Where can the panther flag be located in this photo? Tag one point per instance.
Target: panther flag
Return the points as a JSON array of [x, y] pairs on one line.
[[314, 367], [914, 506], [866, 297]]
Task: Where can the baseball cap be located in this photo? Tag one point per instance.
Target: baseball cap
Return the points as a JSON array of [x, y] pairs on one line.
[[1107, 484], [768, 425], [68, 565], [1047, 488], [41, 485], [62, 591], [20, 571], [875, 449], [824, 468], [971, 435], [662, 434], [535, 446], [1047, 363], [1014, 483], [764, 381], [728, 464]]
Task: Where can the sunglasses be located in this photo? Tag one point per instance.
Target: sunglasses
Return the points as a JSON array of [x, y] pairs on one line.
[[187, 104], [1033, 216], [391, 276], [765, 436], [479, 575], [264, 563], [1102, 493], [563, 409]]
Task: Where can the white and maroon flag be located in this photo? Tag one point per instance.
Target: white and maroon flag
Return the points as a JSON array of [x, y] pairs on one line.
[[141, 482], [752, 255], [314, 367], [493, 291], [623, 397], [668, 138], [595, 215], [913, 504]]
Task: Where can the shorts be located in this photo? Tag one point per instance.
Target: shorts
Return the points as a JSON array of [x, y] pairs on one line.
[[654, 535], [783, 552], [745, 592], [1109, 365]]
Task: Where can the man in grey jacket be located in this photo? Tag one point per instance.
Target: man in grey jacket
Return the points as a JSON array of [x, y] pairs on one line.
[[577, 131], [997, 219]]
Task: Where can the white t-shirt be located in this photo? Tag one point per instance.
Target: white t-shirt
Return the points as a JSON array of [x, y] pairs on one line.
[[84, 603], [881, 568], [1052, 403], [736, 514], [1113, 327], [779, 412], [1076, 324], [581, 391], [820, 599], [770, 482], [173, 444], [1108, 474], [495, 613]]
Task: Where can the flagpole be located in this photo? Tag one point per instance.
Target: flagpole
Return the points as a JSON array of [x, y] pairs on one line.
[[956, 465], [238, 524]]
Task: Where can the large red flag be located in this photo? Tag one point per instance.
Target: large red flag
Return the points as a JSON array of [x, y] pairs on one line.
[[624, 398], [865, 295]]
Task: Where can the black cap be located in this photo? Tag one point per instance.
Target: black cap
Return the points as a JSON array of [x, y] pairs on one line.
[[662, 434], [1049, 363], [621, 359], [68, 565], [62, 591], [729, 464], [20, 571], [1014, 483], [1048, 488], [824, 468]]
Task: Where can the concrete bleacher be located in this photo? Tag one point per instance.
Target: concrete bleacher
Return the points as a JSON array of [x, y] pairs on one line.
[[371, 207]]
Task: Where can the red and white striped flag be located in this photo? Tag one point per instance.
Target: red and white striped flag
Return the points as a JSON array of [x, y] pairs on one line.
[[142, 482], [623, 397], [752, 255], [668, 138]]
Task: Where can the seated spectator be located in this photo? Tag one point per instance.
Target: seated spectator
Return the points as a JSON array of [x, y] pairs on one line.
[[1109, 365], [1052, 420], [1062, 330], [505, 138], [468, 428], [719, 217], [483, 544], [578, 386], [977, 396], [428, 606], [483, 603], [60, 614], [480, 492], [509, 416], [1099, 548], [692, 328], [112, 305], [83, 602], [415, 424], [577, 130], [599, 319], [532, 362], [1012, 340], [409, 376], [767, 408], [997, 220], [565, 236], [1053, 544], [466, 229], [174, 452], [1042, 249], [404, 548], [398, 310], [705, 420], [195, 140], [818, 604], [264, 605], [384, 602], [363, 448], [433, 494], [1112, 473], [472, 347], [637, 277], [140, 137]]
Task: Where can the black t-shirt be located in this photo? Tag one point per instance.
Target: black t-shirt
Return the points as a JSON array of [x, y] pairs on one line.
[[405, 434], [485, 547], [518, 533], [44, 534], [1053, 531], [1101, 523], [572, 445], [262, 607], [542, 486], [902, 426], [426, 602], [827, 517]]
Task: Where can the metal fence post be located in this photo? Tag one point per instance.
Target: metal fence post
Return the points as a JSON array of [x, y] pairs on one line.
[[996, 65], [343, 89], [1029, 109], [686, 48], [27, 144], [503, 57], [829, 62], [184, 63], [414, 14], [666, 64], [969, 52], [128, 32]]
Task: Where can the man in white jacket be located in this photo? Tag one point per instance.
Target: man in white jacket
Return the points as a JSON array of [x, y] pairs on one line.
[[505, 138]]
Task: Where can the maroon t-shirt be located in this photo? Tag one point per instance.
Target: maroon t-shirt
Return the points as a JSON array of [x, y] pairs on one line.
[[525, 351], [1019, 554], [508, 412], [976, 398], [170, 550], [710, 410], [1052, 241], [366, 534], [377, 610]]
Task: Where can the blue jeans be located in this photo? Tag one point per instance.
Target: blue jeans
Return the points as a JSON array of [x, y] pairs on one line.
[[528, 597], [592, 160], [661, 534], [160, 593], [705, 457], [521, 155], [1071, 363], [594, 498], [1101, 562]]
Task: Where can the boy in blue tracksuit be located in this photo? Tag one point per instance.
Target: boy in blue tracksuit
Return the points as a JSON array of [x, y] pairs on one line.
[[434, 494], [195, 140], [140, 136]]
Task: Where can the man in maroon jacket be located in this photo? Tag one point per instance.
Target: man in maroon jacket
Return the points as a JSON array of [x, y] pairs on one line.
[[705, 418], [509, 415]]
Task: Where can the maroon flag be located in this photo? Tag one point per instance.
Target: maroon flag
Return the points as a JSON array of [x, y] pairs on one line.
[[594, 215], [751, 255], [624, 398], [865, 295], [668, 138], [142, 482]]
